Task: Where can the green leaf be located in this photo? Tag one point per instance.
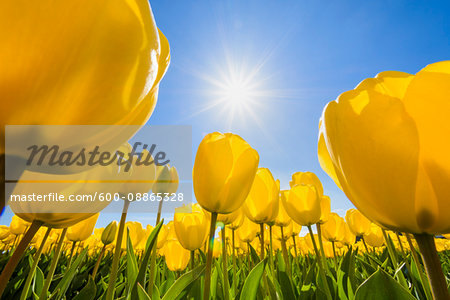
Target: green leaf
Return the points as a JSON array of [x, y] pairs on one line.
[[142, 295], [132, 265], [286, 285], [88, 292], [144, 264], [38, 281], [62, 286], [251, 283], [183, 282], [155, 292], [381, 286]]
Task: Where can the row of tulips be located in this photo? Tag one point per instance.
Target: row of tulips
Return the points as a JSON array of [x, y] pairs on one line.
[[241, 242]]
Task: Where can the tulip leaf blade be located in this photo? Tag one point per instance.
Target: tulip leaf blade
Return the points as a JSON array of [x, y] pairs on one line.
[[132, 265], [38, 281], [63, 285], [251, 284], [183, 282], [88, 292], [142, 294], [381, 286], [144, 263]]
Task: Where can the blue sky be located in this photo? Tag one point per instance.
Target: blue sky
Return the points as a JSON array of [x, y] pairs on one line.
[[294, 57]]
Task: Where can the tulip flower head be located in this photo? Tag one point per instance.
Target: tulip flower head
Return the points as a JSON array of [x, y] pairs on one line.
[[191, 228], [224, 169], [82, 230], [385, 147], [357, 222], [303, 204], [262, 202]]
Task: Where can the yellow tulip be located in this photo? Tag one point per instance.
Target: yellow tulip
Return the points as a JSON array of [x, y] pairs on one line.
[[303, 204], [138, 179], [307, 178], [191, 228], [228, 218], [143, 242], [176, 257], [383, 144], [248, 230], [262, 203], [135, 231], [349, 238], [334, 229], [82, 230], [94, 68], [109, 234], [287, 232], [374, 237], [4, 232], [296, 228], [283, 218], [357, 222], [166, 180], [217, 250], [65, 213], [224, 169], [162, 236], [325, 208], [238, 220], [18, 225]]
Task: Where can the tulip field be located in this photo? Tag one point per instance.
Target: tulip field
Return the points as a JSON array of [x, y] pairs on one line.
[[75, 264], [374, 225]]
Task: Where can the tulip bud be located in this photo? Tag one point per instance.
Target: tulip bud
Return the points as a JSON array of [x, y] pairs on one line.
[[303, 204], [166, 180], [307, 178], [324, 209], [4, 232], [357, 222], [109, 234], [283, 218], [82, 230], [191, 228], [18, 225], [374, 236], [176, 257], [334, 229], [262, 203], [224, 170]]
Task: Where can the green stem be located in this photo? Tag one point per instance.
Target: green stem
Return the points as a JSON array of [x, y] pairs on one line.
[[285, 253], [74, 243], [192, 259], [226, 284], [272, 267], [30, 275], [319, 261], [153, 257], [212, 228], [423, 279], [97, 264], [295, 245], [432, 266], [17, 255], [334, 255], [392, 254], [261, 236], [51, 272], [322, 251], [115, 263], [234, 262]]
